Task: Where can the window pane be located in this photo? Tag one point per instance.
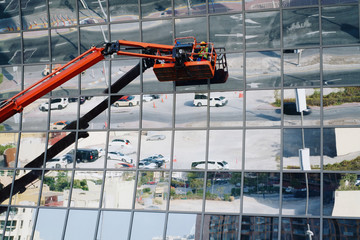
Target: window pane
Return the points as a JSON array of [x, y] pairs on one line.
[[163, 29], [31, 146], [55, 189], [186, 193], [156, 9], [119, 189], [123, 10], [262, 149], [229, 151], [340, 193], [341, 65], [220, 227], [91, 12], [311, 116], [263, 69], [261, 193], [60, 8], [152, 190], [34, 16], [6, 179], [191, 110], [221, 6], [295, 199], [19, 221], [50, 223], [223, 192], [157, 110], [340, 25], [189, 147], [93, 36], [341, 228], [262, 30], [301, 27], [301, 67], [156, 148], [86, 230], [36, 47], [186, 221], [119, 69], [10, 16], [122, 148], [295, 3], [30, 197], [10, 49], [260, 108], [124, 113], [185, 8], [293, 143], [227, 31], [114, 224], [64, 44], [261, 4], [8, 143], [341, 149], [257, 227], [195, 27], [144, 229], [300, 226]]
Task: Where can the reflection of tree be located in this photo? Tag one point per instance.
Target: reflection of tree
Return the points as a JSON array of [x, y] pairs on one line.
[[349, 165], [145, 177], [62, 182]]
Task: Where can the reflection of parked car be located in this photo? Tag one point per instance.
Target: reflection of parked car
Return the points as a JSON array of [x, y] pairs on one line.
[[211, 165], [126, 101], [155, 137], [56, 162], [147, 165], [147, 98], [202, 100], [83, 155], [290, 109], [55, 103], [159, 161], [119, 156], [119, 142], [59, 125]]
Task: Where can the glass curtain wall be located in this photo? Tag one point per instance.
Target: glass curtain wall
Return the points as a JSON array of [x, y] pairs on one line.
[[273, 153]]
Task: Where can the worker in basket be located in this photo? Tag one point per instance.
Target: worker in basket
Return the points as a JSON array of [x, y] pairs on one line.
[[203, 53]]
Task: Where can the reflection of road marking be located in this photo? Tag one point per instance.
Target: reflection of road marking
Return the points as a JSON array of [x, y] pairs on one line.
[[229, 35], [39, 6], [310, 33], [251, 21], [186, 31], [327, 17], [59, 44], [329, 32], [250, 36]]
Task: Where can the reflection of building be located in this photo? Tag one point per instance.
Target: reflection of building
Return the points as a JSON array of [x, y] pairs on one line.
[[218, 227]]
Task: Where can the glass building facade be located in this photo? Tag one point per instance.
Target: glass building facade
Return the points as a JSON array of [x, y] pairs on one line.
[[157, 165]]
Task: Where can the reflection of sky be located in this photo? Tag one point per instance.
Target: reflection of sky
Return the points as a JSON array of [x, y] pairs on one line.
[[50, 223], [147, 225], [81, 225], [114, 224], [181, 224]]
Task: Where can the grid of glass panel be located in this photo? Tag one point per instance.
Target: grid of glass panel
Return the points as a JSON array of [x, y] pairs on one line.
[[163, 164]]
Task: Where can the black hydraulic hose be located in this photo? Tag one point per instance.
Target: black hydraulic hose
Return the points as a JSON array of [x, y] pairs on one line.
[[19, 185]]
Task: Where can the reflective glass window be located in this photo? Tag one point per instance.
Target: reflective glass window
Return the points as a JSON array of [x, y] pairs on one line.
[[123, 10], [259, 227], [301, 148], [299, 227], [261, 193], [156, 9], [221, 227], [34, 16], [96, 78], [8, 143], [99, 119], [340, 25], [31, 146], [341, 191], [160, 31], [156, 148], [191, 110], [195, 27], [125, 111], [341, 149], [223, 192], [35, 115], [125, 31], [157, 110], [91, 12], [55, 188], [262, 149], [263, 69], [6, 179], [262, 29], [119, 69], [152, 188], [119, 189], [227, 31], [338, 1], [261, 108], [86, 230], [63, 13], [228, 151], [185, 8], [341, 65], [142, 228], [311, 115], [18, 223], [342, 228], [93, 36], [301, 27], [50, 223], [122, 146], [298, 3], [11, 81], [10, 16], [186, 192], [114, 224], [301, 67], [261, 4], [301, 196], [36, 47], [64, 44], [10, 49], [186, 221], [189, 148], [221, 6]]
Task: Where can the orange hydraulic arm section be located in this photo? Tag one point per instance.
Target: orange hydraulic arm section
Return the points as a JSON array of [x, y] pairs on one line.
[[89, 58]]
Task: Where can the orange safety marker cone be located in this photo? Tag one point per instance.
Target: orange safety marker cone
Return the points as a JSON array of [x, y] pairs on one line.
[[241, 95], [174, 159], [154, 105], [162, 100]]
